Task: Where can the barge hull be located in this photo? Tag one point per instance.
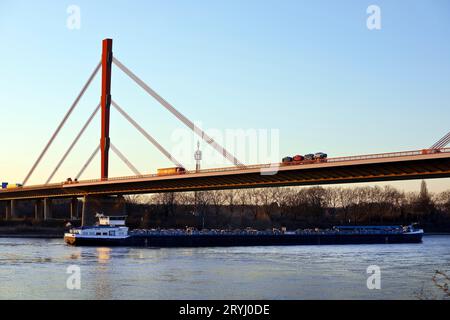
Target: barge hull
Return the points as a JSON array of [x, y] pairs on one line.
[[247, 240]]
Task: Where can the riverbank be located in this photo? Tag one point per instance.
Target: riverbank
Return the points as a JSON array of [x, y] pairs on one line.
[[32, 236], [25, 231]]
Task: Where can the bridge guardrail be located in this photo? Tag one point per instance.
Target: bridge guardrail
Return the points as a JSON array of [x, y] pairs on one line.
[[249, 167]]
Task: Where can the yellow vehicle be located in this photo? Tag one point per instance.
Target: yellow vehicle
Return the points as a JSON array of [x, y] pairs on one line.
[[171, 171], [12, 186]]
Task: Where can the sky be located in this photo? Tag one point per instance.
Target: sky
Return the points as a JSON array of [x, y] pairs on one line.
[[309, 74]]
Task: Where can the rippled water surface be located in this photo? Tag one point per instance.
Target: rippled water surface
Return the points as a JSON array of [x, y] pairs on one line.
[[37, 269]]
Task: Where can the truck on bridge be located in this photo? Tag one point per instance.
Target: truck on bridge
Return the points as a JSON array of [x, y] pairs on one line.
[[171, 171], [6, 185]]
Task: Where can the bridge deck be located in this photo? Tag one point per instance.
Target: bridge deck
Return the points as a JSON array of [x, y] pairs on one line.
[[366, 168]]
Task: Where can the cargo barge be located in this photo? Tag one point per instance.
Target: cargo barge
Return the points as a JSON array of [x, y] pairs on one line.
[[111, 231]]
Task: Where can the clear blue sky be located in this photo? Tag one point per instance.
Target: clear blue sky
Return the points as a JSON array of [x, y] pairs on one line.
[[311, 69]]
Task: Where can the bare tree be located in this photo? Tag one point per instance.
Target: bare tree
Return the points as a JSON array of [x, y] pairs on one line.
[[346, 200], [217, 199], [167, 201], [136, 199], [442, 200]]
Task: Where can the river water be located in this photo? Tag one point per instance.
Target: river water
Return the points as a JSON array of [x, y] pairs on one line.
[[37, 269]]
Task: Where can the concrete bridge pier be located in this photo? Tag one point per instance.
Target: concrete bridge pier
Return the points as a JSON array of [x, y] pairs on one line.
[[47, 209], [108, 205], [74, 208], [11, 211], [88, 212], [7, 210], [38, 210]]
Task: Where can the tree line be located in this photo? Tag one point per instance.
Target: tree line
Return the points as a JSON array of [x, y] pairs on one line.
[[292, 207]]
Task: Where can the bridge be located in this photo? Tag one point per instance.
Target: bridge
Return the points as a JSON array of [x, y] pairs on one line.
[[433, 162]]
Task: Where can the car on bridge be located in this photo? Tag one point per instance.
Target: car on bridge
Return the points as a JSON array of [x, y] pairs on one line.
[[307, 159], [320, 155], [430, 151], [70, 181]]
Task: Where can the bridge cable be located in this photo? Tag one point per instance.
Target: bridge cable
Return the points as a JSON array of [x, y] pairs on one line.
[[439, 142], [145, 134], [73, 143], [88, 162], [72, 107], [442, 142], [125, 160], [180, 116], [445, 142]]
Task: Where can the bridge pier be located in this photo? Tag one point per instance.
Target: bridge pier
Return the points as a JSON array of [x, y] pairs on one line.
[[38, 210], [7, 211], [108, 205], [47, 209], [11, 211], [87, 214], [74, 208]]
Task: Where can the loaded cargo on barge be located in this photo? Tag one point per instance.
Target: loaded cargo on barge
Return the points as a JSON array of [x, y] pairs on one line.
[[111, 231]]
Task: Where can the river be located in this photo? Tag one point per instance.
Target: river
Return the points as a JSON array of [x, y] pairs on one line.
[[38, 269]]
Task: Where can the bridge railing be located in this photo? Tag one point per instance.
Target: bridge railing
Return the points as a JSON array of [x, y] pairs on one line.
[[336, 159], [390, 155], [250, 167], [274, 165]]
